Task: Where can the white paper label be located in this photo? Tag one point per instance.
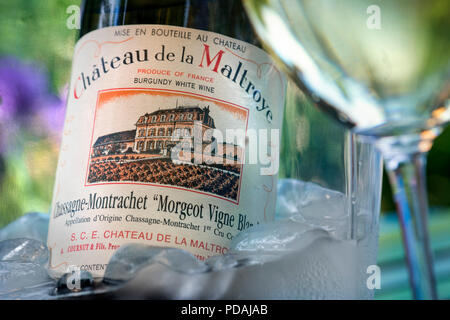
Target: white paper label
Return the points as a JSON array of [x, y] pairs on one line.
[[171, 139]]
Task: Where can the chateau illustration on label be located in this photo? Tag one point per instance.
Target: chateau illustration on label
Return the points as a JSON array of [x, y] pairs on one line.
[[167, 138]]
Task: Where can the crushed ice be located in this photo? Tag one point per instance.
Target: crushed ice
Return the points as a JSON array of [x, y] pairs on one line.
[[303, 254]]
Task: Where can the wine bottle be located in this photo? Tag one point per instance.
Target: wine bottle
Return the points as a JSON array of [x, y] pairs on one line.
[[171, 135]]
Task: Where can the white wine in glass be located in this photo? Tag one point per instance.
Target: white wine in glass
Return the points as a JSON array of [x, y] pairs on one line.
[[382, 68]]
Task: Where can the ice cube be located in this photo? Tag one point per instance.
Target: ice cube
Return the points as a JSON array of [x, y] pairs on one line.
[[325, 268], [23, 250], [22, 265], [294, 260], [129, 259], [40, 291], [162, 273], [32, 226], [310, 203], [19, 275], [277, 237]]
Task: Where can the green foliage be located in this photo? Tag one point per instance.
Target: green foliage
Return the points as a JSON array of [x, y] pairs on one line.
[[36, 30], [27, 184]]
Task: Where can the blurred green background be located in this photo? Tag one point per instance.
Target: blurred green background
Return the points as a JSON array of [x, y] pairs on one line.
[[34, 35]]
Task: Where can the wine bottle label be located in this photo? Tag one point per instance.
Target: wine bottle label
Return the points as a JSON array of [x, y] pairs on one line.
[[171, 139]]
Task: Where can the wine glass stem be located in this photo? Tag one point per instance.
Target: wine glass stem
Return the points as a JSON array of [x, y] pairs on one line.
[[407, 179]]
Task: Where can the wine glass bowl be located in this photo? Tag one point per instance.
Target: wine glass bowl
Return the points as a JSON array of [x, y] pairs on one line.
[[382, 79], [382, 68]]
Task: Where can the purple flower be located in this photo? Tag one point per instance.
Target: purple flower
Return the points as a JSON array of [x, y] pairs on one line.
[[23, 87], [51, 114], [26, 101]]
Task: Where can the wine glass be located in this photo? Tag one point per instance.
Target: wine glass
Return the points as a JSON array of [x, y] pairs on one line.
[[382, 68]]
